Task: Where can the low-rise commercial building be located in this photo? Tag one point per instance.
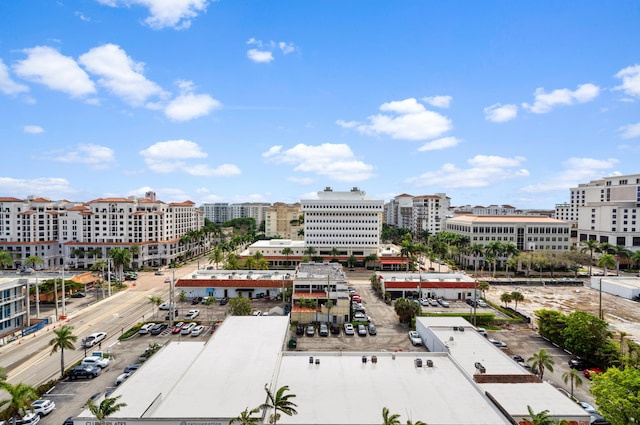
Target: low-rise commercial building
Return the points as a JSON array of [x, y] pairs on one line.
[[451, 286]]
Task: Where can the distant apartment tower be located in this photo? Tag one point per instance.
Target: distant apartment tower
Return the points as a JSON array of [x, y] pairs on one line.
[[283, 220], [488, 210], [217, 213], [399, 211], [428, 213], [348, 221], [606, 210], [221, 212]]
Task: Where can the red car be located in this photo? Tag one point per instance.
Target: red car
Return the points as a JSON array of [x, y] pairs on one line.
[[177, 328], [592, 371]]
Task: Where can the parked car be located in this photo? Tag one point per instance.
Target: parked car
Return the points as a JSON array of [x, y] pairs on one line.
[[414, 337], [348, 329], [424, 302], [197, 330], [28, 418], [311, 330], [100, 362], [177, 327], [324, 330], [498, 343], [121, 378], [224, 301], [158, 273], [482, 303], [158, 328], [168, 315], [578, 363], [587, 407], [299, 329], [196, 300], [433, 302], [187, 328], [372, 329], [589, 373], [362, 331], [360, 317], [83, 371], [471, 302], [165, 306], [167, 279], [517, 358], [146, 328], [483, 332], [68, 421], [78, 295], [334, 329], [132, 367], [93, 339], [443, 303], [597, 419], [192, 314], [43, 407], [256, 313]]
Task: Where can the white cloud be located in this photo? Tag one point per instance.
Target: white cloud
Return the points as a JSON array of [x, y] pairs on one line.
[[630, 131], [98, 157], [630, 77], [260, 56], [544, 102], [176, 14], [188, 106], [7, 85], [407, 119], [483, 171], [47, 66], [438, 101], [500, 113], [49, 187], [120, 74], [576, 171], [348, 124], [33, 129], [264, 51], [439, 144], [173, 155], [333, 161]]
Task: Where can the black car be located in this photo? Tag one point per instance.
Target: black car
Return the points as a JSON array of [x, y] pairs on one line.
[[517, 358], [158, 328], [168, 315], [224, 301], [85, 371], [299, 329], [196, 300], [132, 367], [68, 421], [334, 329], [578, 363]]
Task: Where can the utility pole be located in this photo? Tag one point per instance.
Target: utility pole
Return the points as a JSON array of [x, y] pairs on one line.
[[172, 310]]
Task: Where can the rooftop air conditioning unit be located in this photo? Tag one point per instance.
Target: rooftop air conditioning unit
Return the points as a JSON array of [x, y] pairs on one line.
[[429, 363], [364, 359], [418, 362], [461, 328]]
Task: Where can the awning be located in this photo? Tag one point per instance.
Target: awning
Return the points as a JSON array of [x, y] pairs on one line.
[[392, 262]]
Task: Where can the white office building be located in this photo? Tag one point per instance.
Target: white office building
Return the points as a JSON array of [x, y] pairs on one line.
[[350, 221]]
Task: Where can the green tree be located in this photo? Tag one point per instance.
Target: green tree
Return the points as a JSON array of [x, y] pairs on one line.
[[516, 297], [573, 376], [551, 325], [33, 261], [63, 340], [585, 335], [106, 408], [6, 260], [506, 298], [279, 402], [406, 309], [310, 251], [606, 261], [484, 286], [246, 417], [590, 246], [617, 395], [155, 301], [351, 261], [240, 306], [121, 257], [390, 418], [20, 398], [542, 418], [287, 252], [541, 360]]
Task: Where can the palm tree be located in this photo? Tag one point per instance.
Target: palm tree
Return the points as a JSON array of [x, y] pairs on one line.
[[510, 250], [121, 257], [20, 398], [389, 419], [483, 285], [605, 261], [95, 253], [6, 260], [77, 253], [516, 297], [476, 250], [245, 417], [506, 298], [334, 254], [287, 252], [279, 402], [106, 408], [156, 301], [590, 246], [574, 376], [541, 361], [135, 252], [310, 251], [216, 257], [33, 261], [494, 249], [63, 340]]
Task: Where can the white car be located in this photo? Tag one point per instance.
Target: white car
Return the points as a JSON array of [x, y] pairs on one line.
[[197, 330], [424, 302], [348, 329], [122, 377], [482, 303], [587, 407], [93, 339], [414, 337], [186, 329], [497, 343], [146, 328], [43, 407], [192, 314], [165, 306], [100, 362], [29, 418]]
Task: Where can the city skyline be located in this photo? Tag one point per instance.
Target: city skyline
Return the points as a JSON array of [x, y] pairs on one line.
[[490, 103]]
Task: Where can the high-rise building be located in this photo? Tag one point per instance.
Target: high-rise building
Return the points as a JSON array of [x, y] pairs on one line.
[[284, 221]]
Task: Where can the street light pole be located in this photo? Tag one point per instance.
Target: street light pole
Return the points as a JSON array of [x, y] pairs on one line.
[[172, 310], [64, 310], [37, 297]]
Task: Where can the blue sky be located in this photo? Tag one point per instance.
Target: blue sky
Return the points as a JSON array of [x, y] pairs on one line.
[[494, 102]]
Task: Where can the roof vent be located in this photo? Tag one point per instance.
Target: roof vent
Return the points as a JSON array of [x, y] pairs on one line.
[[310, 359], [364, 359], [374, 359], [461, 328], [317, 361], [455, 328], [480, 368], [418, 362]]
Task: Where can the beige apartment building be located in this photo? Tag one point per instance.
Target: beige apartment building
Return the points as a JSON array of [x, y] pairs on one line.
[[283, 220]]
